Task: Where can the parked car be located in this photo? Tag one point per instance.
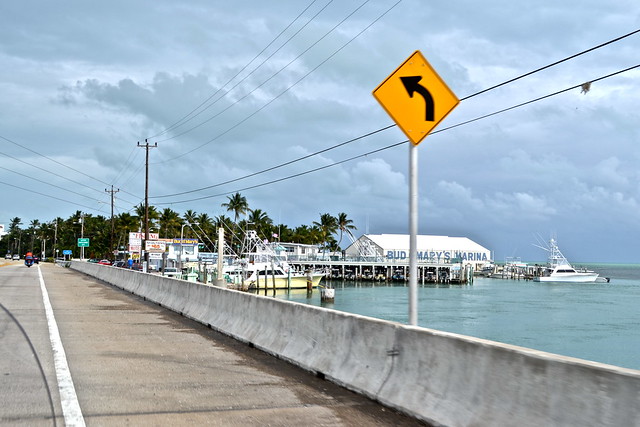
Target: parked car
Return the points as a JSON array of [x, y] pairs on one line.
[[16, 257], [120, 264], [104, 262], [7, 256]]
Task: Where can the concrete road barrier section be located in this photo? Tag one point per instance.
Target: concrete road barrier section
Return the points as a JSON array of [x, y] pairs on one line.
[[442, 378]]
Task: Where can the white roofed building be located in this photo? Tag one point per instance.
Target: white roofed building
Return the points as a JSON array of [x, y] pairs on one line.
[[436, 249]]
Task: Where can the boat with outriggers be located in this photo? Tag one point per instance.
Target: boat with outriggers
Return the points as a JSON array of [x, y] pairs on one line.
[[260, 267], [559, 270]]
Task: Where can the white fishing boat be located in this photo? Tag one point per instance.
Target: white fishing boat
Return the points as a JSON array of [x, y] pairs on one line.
[[261, 268], [559, 269]]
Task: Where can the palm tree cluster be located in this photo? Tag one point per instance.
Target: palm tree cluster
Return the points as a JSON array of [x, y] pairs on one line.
[[60, 234]]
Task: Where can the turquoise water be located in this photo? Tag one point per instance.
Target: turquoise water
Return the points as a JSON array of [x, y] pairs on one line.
[[598, 321]]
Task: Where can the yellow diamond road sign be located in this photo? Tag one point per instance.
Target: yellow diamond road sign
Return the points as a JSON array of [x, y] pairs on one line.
[[415, 97]]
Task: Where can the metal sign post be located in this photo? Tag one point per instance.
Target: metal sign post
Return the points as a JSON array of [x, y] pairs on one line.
[[416, 116], [413, 234]]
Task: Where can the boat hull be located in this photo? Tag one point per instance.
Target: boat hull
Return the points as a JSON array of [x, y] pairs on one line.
[[293, 282], [568, 278]]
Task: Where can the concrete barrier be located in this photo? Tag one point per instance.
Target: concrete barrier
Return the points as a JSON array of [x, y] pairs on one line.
[[442, 378]]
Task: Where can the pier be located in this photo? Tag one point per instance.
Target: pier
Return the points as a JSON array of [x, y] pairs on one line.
[[388, 270]]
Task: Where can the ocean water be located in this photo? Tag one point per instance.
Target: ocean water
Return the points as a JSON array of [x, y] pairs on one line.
[[598, 321]]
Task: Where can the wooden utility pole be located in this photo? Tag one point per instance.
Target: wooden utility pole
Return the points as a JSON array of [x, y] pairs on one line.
[[146, 146], [112, 191]]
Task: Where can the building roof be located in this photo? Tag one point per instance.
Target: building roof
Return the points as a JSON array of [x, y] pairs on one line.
[[401, 241]]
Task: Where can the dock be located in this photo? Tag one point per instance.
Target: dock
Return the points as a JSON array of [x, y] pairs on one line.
[[388, 270]]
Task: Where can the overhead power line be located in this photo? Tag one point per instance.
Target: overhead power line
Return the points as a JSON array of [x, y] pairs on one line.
[[399, 143], [189, 116], [553, 64], [31, 190], [245, 96], [57, 162], [278, 166], [286, 89], [379, 17], [40, 182], [393, 125], [81, 184], [352, 140]]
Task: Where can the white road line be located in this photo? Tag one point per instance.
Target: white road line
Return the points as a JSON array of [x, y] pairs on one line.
[[68, 398]]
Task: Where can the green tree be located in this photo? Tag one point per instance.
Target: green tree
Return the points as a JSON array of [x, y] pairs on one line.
[[207, 231], [327, 226], [306, 235], [154, 216], [285, 233], [260, 222], [190, 216], [125, 223], [345, 225], [14, 237], [170, 223], [237, 204]]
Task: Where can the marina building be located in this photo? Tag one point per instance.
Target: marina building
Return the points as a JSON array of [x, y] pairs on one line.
[[385, 257], [431, 249]]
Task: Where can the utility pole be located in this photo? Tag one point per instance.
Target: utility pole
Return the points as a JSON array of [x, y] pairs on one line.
[[81, 234], [146, 146], [112, 191], [55, 242]]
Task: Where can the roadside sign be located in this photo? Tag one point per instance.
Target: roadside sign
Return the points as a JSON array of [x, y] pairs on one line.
[[156, 246], [416, 115], [135, 238], [83, 242], [67, 252]]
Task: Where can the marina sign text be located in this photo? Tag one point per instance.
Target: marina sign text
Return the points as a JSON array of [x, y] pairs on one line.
[[440, 255]]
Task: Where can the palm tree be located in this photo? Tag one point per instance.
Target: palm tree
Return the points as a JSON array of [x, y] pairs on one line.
[[231, 238], [307, 235], [327, 226], [285, 234], [261, 222], [154, 216], [239, 206], [14, 224], [236, 204], [345, 225], [170, 223], [190, 216], [124, 224], [205, 225]]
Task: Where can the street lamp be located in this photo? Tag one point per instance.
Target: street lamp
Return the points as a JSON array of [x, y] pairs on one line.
[[181, 238], [81, 220]]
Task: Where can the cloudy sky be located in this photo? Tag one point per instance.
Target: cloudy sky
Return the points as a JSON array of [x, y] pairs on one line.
[[229, 89]]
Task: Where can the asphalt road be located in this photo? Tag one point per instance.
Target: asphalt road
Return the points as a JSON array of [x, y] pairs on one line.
[[131, 362]]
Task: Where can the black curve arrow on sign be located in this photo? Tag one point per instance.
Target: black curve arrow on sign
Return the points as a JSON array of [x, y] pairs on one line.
[[411, 84]]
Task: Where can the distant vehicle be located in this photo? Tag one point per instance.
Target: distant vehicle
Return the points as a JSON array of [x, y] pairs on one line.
[[7, 256], [36, 260], [93, 260], [120, 264], [171, 272], [16, 257], [104, 262]]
